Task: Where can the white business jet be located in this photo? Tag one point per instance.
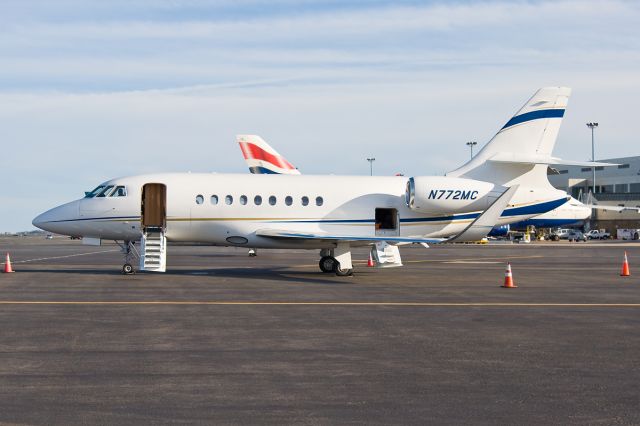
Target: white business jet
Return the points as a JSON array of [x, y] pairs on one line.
[[505, 183]]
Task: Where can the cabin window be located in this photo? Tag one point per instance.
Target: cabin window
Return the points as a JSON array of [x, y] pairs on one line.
[[105, 191], [199, 199], [94, 192], [228, 200], [257, 200], [214, 199], [305, 201], [319, 201], [120, 191], [243, 199], [272, 200], [288, 200]]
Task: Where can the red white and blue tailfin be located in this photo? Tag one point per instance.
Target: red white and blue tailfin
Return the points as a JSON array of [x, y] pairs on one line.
[[262, 158]]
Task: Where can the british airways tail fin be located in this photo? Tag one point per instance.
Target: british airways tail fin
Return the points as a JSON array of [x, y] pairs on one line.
[[521, 150], [262, 158]]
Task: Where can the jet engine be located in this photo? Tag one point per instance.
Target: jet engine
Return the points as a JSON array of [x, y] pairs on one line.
[[441, 194]]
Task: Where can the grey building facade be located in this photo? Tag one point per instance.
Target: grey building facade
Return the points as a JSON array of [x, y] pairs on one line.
[[616, 186]]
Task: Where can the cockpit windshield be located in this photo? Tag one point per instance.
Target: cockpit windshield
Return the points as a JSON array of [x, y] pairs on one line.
[[94, 192], [107, 191]]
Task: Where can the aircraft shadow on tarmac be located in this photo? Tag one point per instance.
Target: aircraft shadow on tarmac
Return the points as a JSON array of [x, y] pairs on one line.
[[271, 274]]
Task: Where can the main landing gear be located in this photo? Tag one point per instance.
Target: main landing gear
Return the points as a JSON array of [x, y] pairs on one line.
[[329, 264], [130, 253]]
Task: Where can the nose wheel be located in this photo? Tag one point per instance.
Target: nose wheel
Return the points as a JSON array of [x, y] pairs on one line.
[[130, 253]]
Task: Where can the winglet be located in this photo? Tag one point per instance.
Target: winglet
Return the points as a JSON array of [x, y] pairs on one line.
[[483, 224]]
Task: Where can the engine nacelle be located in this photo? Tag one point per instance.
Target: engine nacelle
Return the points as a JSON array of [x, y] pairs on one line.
[[441, 194]]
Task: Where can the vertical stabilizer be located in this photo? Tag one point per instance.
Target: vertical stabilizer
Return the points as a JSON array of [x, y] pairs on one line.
[[262, 158], [530, 134]]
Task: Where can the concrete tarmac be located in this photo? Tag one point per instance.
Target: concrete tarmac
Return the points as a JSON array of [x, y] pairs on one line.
[[222, 338]]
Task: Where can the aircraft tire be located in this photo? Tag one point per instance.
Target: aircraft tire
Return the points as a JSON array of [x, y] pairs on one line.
[[127, 269], [343, 272], [327, 264]]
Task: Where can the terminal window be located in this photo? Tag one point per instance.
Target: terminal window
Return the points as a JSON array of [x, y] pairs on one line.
[[623, 166], [586, 169], [563, 172]]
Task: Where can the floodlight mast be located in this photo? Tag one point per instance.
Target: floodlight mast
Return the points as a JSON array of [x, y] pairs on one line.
[[592, 126]]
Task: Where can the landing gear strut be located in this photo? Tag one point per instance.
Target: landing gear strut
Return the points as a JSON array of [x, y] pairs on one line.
[[130, 253]]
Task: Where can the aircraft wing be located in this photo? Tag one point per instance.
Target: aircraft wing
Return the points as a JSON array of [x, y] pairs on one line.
[[476, 230], [283, 234]]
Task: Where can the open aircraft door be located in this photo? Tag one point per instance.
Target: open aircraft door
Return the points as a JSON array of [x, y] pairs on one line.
[[387, 222], [153, 254]]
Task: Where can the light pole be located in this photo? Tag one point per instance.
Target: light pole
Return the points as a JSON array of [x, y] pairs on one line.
[[371, 160], [592, 126], [471, 145]]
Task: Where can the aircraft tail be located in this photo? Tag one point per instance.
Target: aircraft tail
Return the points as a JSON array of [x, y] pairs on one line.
[[262, 158], [521, 150]]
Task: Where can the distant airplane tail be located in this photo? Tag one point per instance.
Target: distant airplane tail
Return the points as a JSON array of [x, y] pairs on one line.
[[521, 150], [262, 158]]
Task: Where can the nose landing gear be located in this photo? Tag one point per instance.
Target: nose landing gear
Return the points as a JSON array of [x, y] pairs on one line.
[[130, 254]]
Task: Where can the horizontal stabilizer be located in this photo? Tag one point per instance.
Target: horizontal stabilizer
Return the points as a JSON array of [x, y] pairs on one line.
[[480, 228], [529, 159], [274, 233]]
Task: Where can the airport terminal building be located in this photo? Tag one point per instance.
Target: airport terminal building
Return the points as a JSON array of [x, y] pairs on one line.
[[616, 186]]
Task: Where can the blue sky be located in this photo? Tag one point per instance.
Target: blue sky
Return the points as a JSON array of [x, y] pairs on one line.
[[90, 90]]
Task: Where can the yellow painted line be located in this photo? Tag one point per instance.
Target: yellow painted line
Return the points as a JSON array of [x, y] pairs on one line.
[[390, 304]]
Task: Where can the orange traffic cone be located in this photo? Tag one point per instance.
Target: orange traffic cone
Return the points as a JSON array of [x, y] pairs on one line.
[[625, 267], [370, 261], [7, 264], [508, 278]]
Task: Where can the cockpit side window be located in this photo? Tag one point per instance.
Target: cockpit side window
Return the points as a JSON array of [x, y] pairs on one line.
[[120, 191], [106, 191], [94, 192]]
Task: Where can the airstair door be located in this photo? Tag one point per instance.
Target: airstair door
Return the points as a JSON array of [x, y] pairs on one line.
[[153, 245]]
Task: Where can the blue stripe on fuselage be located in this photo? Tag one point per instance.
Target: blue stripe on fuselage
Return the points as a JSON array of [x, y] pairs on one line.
[[513, 211], [534, 115]]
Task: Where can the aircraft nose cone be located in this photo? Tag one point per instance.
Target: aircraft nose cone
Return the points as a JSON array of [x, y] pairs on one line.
[[39, 220], [55, 220]]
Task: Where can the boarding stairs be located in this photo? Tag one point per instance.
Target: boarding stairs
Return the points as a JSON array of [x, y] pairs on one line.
[[153, 250]]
